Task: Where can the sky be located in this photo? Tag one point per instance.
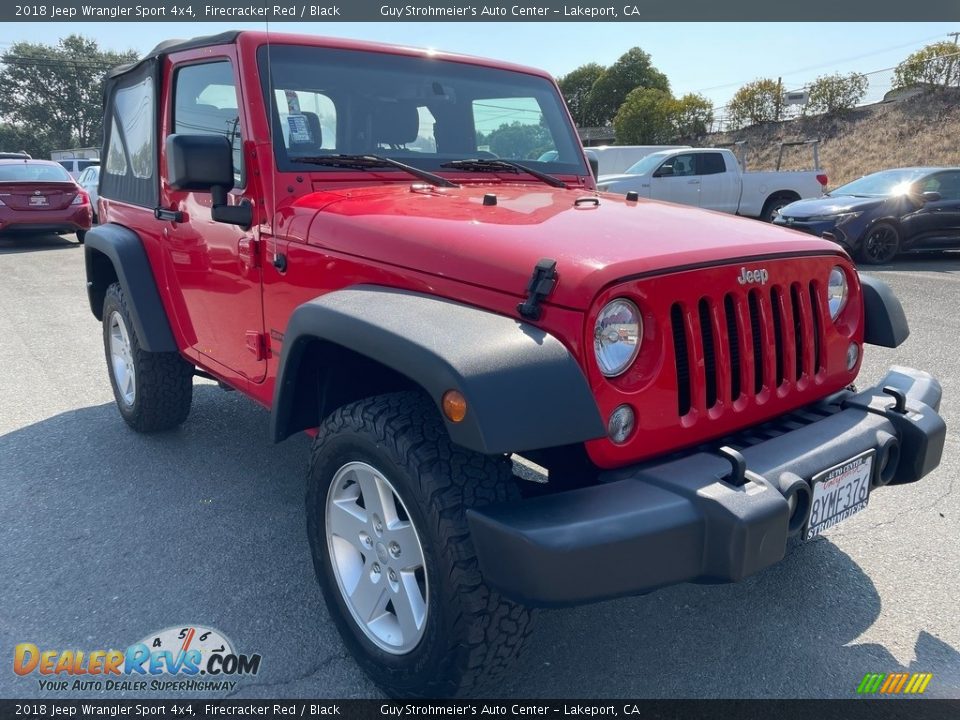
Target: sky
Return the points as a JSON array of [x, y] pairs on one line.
[[711, 58]]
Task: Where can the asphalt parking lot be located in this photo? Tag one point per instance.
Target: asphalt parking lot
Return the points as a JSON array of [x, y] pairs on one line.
[[107, 536]]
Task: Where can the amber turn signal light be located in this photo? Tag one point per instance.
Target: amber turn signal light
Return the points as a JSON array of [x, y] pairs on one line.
[[454, 405]]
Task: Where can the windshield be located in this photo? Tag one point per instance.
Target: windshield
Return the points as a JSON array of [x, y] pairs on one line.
[[33, 172], [647, 164], [421, 111], [881, 184]]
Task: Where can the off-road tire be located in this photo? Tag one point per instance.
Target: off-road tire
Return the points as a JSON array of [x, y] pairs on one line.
[[472, 633], [163, 380]]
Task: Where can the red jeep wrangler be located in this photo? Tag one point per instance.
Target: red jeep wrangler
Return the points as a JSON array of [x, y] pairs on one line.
[[402, 253]]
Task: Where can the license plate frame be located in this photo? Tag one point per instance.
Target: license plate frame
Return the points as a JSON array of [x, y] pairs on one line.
[[851, 480]]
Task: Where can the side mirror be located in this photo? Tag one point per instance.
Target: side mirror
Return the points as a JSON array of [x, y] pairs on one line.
[[930, 196], [664, 171], [594, 163], [204, 163]]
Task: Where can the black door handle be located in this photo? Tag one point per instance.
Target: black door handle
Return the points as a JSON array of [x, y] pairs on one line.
[[169, 215]]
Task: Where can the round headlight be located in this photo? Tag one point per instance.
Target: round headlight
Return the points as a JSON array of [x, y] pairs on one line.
[[616, 336], [836, 291]]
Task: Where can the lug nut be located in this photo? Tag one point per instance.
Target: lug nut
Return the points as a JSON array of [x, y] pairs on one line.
[[395, 549], [393, 575]]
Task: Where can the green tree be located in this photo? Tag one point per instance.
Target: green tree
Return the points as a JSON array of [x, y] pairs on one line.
[[632, 70], [937, 64], [756, 102], [54, 92], [836, 93], [576, 87], [646, 117], [14, 138], [692, 116], [519, 141]]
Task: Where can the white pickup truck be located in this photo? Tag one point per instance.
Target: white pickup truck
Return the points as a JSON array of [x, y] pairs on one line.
[[713, 179]]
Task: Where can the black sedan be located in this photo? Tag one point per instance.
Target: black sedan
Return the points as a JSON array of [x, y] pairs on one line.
[[886, 213]]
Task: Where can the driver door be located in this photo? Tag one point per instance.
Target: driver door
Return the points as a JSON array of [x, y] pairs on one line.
[[213, 268]]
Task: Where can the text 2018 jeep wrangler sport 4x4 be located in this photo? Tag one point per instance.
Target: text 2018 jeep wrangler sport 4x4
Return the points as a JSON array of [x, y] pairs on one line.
[[356, 237]]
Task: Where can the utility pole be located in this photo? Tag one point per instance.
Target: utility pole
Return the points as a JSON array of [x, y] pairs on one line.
[[954, 35]]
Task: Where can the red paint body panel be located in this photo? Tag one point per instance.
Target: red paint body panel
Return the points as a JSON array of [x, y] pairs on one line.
[[343, 228]]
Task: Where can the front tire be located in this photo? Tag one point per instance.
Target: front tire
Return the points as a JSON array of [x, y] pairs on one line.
[[386, 518], [880, 244], [153, 390]]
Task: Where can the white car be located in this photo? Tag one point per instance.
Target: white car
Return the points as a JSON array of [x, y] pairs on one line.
[[712, 179], [89, 180]]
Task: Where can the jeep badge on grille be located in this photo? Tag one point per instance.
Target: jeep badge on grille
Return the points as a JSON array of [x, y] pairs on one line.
[[753, 276]]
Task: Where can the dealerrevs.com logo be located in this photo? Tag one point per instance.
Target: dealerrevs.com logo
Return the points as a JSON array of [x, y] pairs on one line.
[[190, 658]]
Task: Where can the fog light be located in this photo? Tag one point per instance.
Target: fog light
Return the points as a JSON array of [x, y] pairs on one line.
[[853, 354], [620, 424]]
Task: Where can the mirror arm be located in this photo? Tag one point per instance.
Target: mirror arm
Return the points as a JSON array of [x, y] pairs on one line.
[[241, 214]]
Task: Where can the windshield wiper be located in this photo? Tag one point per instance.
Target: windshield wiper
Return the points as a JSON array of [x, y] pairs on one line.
[[372, 162], [498, 165]]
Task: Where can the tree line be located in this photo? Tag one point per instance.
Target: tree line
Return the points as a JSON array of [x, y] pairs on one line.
[[51, 95], [634, 97]]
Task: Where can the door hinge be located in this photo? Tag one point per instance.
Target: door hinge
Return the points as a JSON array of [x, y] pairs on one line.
[[257, 344]]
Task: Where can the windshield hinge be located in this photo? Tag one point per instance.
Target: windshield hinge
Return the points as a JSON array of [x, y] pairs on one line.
[[541, 284]]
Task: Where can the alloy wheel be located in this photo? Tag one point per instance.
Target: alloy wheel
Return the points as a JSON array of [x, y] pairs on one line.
[[377, 558]]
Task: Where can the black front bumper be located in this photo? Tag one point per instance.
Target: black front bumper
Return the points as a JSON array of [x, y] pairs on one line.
[[687, 519]]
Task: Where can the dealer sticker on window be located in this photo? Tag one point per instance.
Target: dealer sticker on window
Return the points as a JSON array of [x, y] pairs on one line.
[[840, 492]]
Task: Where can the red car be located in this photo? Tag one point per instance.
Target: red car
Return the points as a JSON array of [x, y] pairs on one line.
[[39, 196]]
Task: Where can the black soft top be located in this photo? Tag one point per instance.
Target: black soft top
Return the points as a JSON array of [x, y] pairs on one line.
[[171, 46]]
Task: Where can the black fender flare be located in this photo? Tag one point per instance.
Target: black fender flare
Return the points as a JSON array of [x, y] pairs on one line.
[[524, 390], [885, 322], [124, 250]]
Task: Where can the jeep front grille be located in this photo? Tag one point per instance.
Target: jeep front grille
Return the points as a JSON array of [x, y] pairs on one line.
[[753, 342]]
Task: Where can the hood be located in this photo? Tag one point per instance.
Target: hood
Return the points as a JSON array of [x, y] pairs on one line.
[[450, 232], [829, 205]]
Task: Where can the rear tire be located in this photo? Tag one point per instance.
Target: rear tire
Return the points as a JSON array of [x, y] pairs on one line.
[[468, 633], [153, 390], [81, 236], [773, 205], [880, 244]]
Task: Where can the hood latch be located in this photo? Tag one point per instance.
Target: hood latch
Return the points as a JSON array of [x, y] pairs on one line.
[[541, 284]]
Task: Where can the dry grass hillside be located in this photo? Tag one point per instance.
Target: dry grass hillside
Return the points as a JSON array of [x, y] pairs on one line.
[[921, 130]]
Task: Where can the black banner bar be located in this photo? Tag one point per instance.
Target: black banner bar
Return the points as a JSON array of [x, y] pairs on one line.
[[296, 11], [921, 708]]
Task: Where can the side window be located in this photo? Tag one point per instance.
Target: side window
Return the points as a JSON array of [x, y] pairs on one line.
[[134, 107], [205, 103], [946, 183], [712, 164], [679, 166]]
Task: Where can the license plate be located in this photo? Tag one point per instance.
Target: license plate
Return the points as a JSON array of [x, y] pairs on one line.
[[840, 492], [38, 200]]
